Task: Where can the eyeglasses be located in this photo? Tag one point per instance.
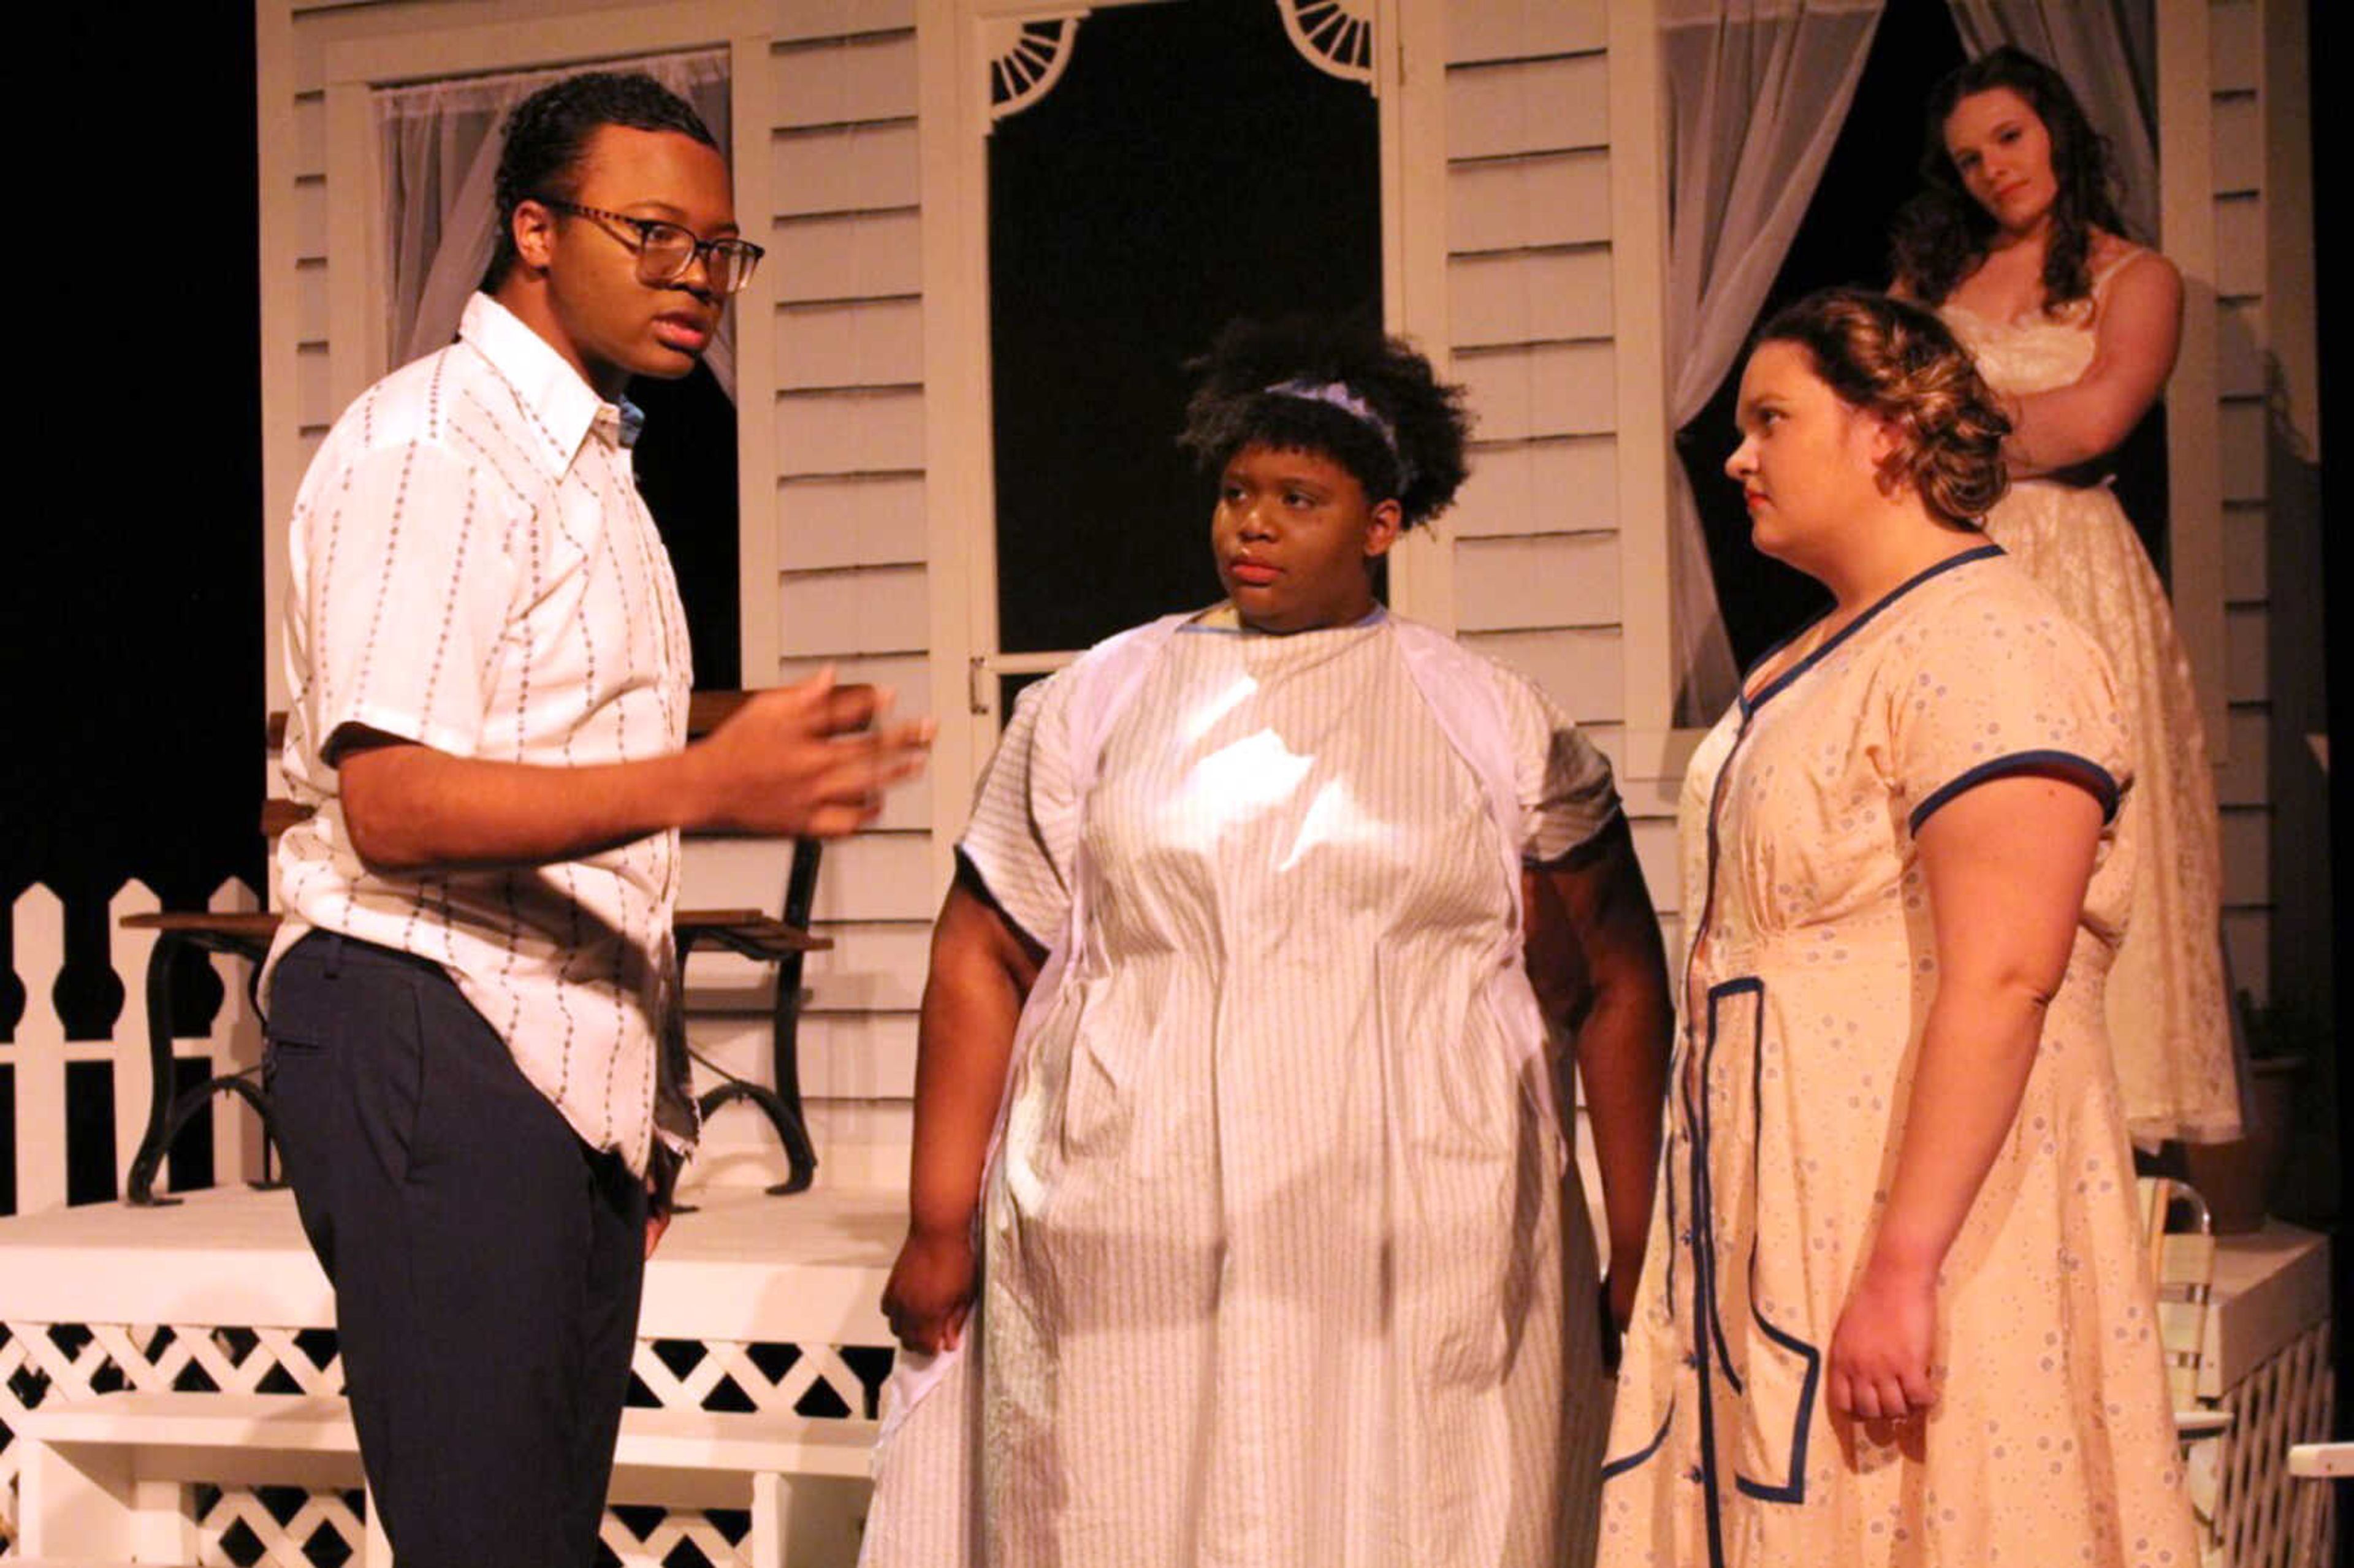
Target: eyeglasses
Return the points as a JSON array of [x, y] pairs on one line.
[[665, 250]]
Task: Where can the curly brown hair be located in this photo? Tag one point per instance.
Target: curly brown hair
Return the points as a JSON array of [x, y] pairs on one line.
[[1896, 360], [1941, 233]]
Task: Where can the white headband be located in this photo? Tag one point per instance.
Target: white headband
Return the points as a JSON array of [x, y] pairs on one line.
[[1338, 395]]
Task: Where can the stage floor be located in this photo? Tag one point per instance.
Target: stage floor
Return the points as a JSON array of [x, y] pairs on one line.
[[744, 1265]]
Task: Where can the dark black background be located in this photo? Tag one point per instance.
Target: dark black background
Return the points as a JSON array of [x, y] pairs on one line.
[[1189, 167], [133, 607]]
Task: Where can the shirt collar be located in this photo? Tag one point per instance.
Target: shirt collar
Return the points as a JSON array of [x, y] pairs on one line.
[[567, 407]]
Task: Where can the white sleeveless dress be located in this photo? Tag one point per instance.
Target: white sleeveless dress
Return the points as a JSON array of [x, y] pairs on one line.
[[2167, 1018]]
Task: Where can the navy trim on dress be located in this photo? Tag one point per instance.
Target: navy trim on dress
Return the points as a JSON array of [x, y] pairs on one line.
[[1750, 705], [1750, 986], [1794, 1489], [2081, 770], [1620, 1466], [1705, 1293], [1703, 1290]]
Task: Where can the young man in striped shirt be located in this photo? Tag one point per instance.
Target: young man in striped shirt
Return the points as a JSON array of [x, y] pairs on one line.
[[472, 993]]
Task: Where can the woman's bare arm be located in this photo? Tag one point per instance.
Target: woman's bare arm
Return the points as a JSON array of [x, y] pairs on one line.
[[1598, 970], [2134, 345], [799, 760], [2006, 865], [982, 969]]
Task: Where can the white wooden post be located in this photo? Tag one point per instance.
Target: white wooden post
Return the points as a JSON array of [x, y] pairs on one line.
[[38, 1054], [131, 951], [234, 1043], [768, 1539], [83, 1505], [376, 1552]]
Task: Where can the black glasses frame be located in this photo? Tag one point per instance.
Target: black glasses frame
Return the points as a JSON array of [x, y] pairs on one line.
[[743, 257]]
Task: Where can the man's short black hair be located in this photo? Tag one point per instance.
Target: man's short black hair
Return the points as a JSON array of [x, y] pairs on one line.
[[549, 131]]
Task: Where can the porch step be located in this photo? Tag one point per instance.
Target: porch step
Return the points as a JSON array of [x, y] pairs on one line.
[[106, 1471]]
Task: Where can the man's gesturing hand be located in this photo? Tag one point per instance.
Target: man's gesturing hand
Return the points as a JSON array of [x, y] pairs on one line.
[[809, 761]]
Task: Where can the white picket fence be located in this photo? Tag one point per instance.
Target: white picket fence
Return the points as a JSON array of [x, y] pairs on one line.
[[40, 1053]]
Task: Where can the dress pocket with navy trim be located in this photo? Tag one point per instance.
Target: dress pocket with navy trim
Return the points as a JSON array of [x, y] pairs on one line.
[[1758, 1339]]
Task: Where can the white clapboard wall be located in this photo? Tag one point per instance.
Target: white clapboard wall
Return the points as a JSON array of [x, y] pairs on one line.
[[1531, 327], [1545, 556], [853, 591], [2243, 787]]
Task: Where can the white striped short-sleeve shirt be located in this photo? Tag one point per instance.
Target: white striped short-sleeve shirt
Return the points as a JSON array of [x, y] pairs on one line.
[[471, 568]]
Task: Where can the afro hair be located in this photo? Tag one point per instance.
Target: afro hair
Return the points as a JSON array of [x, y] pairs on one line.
[[1235, 404]]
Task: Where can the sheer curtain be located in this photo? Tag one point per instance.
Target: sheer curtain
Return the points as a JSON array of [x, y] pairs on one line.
[[438, 145], [2108, 51], [1756, 92]]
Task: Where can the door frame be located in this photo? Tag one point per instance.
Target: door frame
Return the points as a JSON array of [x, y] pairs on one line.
[[955, 42]]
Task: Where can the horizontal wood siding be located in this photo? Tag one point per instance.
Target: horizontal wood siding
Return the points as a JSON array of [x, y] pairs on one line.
[[2242, 786], [1531, 324], [1529, 321], [845, 208]]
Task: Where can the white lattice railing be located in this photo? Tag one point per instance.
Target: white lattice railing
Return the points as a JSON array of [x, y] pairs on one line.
[[294, 1527], [2286, 1399]]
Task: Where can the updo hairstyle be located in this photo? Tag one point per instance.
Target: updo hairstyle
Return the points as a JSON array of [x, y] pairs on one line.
[[1895, 360], [1370, 403], [1941, 232]]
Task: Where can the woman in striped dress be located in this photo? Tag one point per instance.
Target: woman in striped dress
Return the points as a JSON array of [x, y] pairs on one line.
[[1276, 1255]]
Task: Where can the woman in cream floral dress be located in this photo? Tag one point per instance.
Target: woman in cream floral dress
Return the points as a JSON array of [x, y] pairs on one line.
[[1894, 1312], [2015, 243]]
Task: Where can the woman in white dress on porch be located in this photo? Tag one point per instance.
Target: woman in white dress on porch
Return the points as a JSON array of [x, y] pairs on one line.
[[2014, 240], [1280, 1259]]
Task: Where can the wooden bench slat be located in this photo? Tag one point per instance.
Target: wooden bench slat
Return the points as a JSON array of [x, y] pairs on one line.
[[278, 814], [772, 935], [257, 924]]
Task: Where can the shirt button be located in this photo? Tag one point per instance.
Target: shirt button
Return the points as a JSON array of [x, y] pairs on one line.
[[1693, 1476], [1692, 1360], [1683, 1238]]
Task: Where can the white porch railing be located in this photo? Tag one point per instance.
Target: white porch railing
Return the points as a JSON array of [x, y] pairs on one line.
[[40, 1053]]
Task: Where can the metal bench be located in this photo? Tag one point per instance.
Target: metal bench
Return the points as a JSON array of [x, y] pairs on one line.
[[782, 940]]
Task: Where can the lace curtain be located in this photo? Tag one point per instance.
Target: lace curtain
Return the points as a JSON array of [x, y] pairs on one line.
[[1757, 90], [1757, 93], [438, 147], [2108, 51]]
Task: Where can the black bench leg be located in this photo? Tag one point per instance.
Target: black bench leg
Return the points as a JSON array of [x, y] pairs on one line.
[[167, 1111], [185, 1106], [801, 1157], [140, 1188]]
